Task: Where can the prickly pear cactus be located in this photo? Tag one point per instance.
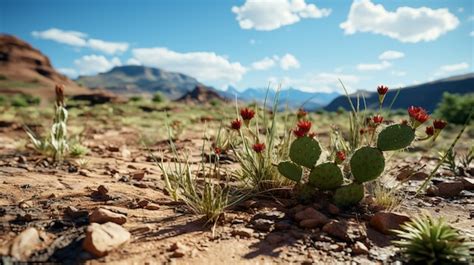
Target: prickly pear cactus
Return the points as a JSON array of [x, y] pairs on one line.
[[367, 163], [305, 151], [395, 137], [290, 170], [349, 194], [327, 176]]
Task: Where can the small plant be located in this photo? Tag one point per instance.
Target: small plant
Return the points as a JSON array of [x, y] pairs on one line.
[[369, 139], [83, 163], [158, 97], [78, 150], [450, 162], [426, 240], [56, 144]]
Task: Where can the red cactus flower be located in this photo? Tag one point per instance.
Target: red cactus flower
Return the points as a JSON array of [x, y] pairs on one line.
[[430, 131], [258, 148], [236, 124], [382, 90], [301, 114], [299, 133], [439, 124], [377, 119], [247, 114], [304, 126], [341, 156], [217, 150], [418, 114]]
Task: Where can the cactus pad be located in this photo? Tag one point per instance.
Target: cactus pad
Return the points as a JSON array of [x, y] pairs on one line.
[[290, 170], [327, 176], [349, 194], [395, 137], [367, 163], [305, 151]]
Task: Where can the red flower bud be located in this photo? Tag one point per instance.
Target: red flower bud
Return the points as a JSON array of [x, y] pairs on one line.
[[341, 156], [377, 119], [217, 150], [439, 124], [303, 127], [362, 131], [430, 131], [59, 89], [247, 114], [382, 90], [418, 114], [236, 124], [258, 148], [301, 113]]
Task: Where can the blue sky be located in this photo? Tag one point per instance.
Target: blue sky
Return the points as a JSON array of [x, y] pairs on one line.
[[307, 44]]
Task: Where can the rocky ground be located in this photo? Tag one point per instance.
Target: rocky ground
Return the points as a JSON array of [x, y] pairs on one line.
[[114, 209]]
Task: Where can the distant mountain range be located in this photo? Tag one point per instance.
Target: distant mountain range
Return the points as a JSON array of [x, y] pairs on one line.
[[427, 95], [291, 97], [132, 79]]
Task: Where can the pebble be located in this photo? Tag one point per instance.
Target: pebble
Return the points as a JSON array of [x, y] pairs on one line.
[[25, 244], [74, 213], [311, 213], [100, 239], [103, 216], [360, 249], [179, 250], [243, 232], [384, 222], [337, 229], [263, 225]]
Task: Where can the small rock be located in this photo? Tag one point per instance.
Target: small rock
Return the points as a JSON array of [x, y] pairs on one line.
[[432, 190], [337, 229], [311, 223], [102, 190], [242, 232], [386, 221], [25, 244], [263, 225], [74, 213], [137, 175], [310, 213], [419, 176], [112, 148], [336, 247], [360, 249], [84, 172], [449, 189], [333, 209], [143, 203], [272, 215], [102, 238], [103, 216], [179, 250]]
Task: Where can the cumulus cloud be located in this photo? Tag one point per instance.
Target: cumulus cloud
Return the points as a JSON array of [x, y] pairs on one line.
[[289, 61], [205, 66], [73, 38], [450, 69], [93, 64], [391, 55], [405, 24], [79, 39], [374, 66], [107, 47], [263, 64], [271, 15]]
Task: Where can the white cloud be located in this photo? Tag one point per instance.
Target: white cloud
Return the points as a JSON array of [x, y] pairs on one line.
[[107, 47], [374, 66], [322, 82], [79, 39], [73, 38], [133, 61], [391, 55], [271, 15], [406, 24], [72, 73], [471, 33], [399, 73], [454, 67], [289, 61], [470, 18], [205, 66], [461, 9], [263, 64], [93, 64]]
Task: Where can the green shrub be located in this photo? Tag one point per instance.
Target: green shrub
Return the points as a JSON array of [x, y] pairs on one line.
[[136, 98], [19, 101], [2, 77], [455, 108], [158, 97]]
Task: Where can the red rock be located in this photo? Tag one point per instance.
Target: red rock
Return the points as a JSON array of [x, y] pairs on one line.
[[310, 213], [449, 189], [242, 232], [333, 209], [103, 216], [468, 183], [102, 190], [102, 238], [386, 221], [360, 249], [137, 175], [337, 229], [311, 223]]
